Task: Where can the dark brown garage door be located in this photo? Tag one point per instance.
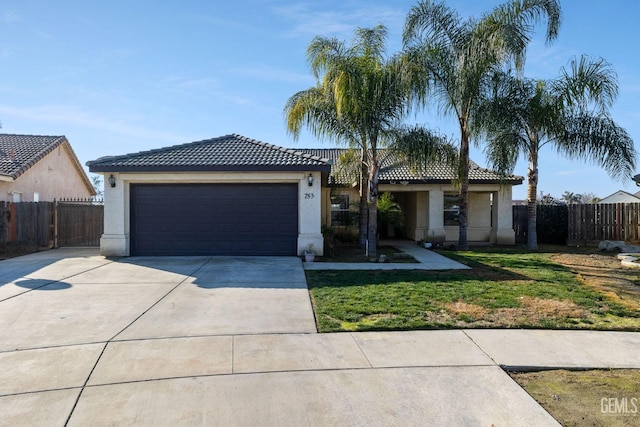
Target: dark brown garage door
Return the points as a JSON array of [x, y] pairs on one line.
[[214, 219]]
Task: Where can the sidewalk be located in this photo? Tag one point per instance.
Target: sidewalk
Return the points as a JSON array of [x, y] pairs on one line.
[[427, 260], [378, 378]]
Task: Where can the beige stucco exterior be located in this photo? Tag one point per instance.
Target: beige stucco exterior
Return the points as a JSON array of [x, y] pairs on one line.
[[490, 215], [57, 175], [116, 238]]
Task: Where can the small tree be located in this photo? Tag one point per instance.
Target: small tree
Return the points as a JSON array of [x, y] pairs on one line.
[[389, 212], [96, 181]]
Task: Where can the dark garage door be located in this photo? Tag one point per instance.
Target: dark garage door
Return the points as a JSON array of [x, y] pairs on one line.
[[214, 219]]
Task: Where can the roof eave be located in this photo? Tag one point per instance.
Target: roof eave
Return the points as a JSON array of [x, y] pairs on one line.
[[515, 181], [207, 168]]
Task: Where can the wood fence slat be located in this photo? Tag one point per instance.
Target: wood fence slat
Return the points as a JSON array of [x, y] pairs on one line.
[[29, 224]]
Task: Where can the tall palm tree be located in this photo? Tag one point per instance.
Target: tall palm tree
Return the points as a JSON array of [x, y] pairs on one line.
[[455, 59], [570, 112], [360, 100]]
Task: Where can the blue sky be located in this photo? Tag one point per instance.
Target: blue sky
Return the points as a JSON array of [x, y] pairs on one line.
[[124, 76]]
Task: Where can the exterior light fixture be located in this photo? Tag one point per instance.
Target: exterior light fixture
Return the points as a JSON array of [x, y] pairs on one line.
[[112, 181], [310, 180]]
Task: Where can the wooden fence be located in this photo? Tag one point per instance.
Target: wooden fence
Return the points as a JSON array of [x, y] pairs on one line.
[[26, 223], [43, 225], [552, 225], [78, 224], [589, 224], [581, 224]]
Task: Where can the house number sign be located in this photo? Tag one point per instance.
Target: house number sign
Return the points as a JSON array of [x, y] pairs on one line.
[[309, 195]]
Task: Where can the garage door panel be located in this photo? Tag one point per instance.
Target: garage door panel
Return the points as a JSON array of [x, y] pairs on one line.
[[220, 219]]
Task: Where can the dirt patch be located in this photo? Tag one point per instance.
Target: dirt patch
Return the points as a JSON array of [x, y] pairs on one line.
[[462, 308], [532, 310], [605, 273], [553, 308], [586, 398]]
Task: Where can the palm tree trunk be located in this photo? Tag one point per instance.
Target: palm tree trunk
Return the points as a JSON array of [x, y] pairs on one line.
[[364, 194], [532, 207], [463, 175], [372, 229]]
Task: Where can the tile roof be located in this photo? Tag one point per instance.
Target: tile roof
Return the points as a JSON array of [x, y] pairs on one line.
[[394, 169], [226, 153], [19, 152]]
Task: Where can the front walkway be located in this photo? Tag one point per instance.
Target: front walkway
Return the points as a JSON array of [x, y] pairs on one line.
[[427, 260]]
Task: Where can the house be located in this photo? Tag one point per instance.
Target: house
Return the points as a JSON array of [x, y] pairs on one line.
[[233, 195], [428, 198], [621, 196], [40, 168]]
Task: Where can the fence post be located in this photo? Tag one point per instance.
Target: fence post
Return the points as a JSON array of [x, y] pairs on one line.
[[55, 223]]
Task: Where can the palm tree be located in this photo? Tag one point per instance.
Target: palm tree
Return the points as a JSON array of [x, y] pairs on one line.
[[570, 112], [360, 100], [455, 59], [570, 198]]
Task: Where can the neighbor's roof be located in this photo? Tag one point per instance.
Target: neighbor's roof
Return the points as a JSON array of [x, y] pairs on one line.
[[620, 196], [394, 169], [226, 153], [20, 152]]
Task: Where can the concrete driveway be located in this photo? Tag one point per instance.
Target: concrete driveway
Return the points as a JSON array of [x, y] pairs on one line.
[[66, 297], [231, 341]]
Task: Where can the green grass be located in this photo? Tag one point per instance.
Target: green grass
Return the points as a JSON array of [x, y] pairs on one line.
[[513, 289]]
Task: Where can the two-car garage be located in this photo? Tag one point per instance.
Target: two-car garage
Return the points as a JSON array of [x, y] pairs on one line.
[[229, 195], [214, 219]]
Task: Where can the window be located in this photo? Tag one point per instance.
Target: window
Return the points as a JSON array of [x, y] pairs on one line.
[[17, 197], [36, 197], [451, 209], [340, 210]]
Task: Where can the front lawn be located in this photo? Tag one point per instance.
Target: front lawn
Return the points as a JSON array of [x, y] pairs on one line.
[[504, 289]]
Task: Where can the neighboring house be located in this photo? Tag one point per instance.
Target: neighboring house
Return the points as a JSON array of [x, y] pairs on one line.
[[237, 196], [40, 168], [621, 197]]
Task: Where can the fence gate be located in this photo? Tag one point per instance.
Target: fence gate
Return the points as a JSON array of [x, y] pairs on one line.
[[78, 223]]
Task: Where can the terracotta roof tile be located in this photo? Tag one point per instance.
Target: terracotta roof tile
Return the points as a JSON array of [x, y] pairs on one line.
[[230, 152], [19, 152], [393, 168]]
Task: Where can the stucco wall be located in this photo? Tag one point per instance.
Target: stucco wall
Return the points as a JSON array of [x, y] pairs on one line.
[[423, 208], [53, 177], [116, 238]]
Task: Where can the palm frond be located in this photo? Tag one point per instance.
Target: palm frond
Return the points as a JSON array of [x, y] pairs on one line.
[[599, 140], [587, 82], [420, 147]]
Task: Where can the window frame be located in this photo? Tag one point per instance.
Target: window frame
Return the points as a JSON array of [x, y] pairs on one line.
[[340, 211], [451, 210]]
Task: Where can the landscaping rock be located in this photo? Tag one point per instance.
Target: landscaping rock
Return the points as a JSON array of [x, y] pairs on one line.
[[611, 245]]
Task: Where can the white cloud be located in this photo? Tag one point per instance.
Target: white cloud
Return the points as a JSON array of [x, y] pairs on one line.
[[72, 115], [570, 172], [269, 73], [309, 19], [10, 17], [190, 83]]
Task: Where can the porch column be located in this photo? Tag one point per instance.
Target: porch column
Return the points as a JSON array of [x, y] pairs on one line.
[[435, 231], [421, 215], [310, 215], [115, 240], [502, 232]]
